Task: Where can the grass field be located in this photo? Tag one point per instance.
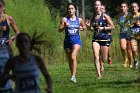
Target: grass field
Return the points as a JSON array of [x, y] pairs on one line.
[[116, 79]]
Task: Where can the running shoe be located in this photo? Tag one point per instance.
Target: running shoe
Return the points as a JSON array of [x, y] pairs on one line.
[[73, 79], [102, 69], [135, 65], [125, 62], [131, 66], [109, 61], [99, 77]]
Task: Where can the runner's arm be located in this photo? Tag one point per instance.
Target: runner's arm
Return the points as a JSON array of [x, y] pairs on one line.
[[44, 71]]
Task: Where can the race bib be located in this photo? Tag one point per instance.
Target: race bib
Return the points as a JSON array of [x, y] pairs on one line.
[[135, 31], [27, 84], [124, 30], [73, 31], [3, 41]]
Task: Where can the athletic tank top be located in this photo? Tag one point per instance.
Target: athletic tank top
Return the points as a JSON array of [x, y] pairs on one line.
[[123, 28], [73, 28], [133, 20], [135, 32], [4, 56], [27, 76], [5, 27], [123, 24], [98, 22]]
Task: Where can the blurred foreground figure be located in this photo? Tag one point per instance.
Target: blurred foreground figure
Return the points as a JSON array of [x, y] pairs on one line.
[[26, 67]]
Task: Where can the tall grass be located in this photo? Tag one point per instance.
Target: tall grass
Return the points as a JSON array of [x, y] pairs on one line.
[[34, 15]]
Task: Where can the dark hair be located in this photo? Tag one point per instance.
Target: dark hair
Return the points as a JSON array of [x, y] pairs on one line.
[[135, 3], [2, 3], [35, 40], [20, 35], [124, 2], [94, 4], [103, 5], [73, 4]]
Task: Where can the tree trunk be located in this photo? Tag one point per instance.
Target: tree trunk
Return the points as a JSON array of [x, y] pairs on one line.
[[77, 11], [83, 9]]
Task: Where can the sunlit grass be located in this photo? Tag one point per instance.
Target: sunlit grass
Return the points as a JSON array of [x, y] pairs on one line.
[[116, 79]]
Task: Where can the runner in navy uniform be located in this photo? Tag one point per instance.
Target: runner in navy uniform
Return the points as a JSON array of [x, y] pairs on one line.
[[135, 14], [125, 43], [100, 25], [135, 34], [109, 33], [5, 23]]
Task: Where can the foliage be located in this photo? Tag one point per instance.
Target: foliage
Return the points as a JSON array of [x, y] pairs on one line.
[[112, 6], [123, 24]]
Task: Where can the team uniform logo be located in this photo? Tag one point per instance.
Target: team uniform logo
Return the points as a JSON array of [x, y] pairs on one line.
[[135, 33]]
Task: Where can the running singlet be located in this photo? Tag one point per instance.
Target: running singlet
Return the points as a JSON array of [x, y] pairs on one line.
[[72, 35], [123, 27], [133, 20], [99, 35], [73, 28], [135, 32], [27, 76], [4, 56], [4, 26]]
